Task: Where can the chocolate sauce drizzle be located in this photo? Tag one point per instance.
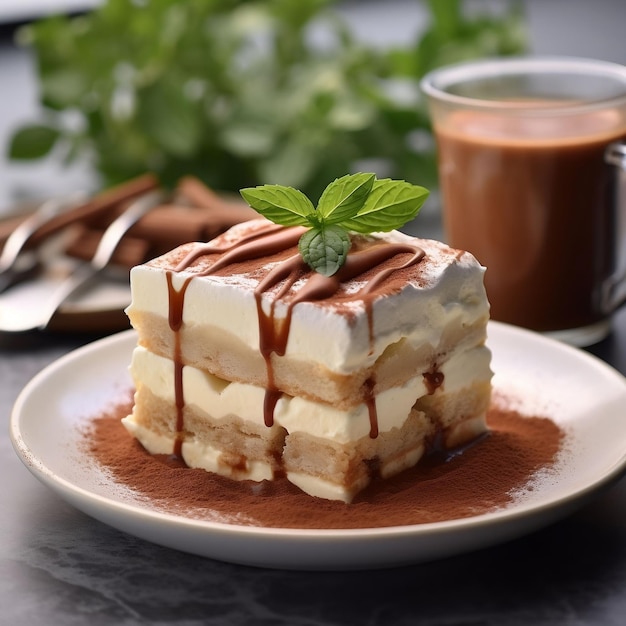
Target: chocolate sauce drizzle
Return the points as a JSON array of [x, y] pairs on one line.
[[433, 379], [273, 332]]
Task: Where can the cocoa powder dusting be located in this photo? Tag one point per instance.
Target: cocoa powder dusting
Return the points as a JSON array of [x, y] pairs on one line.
[[481, 478]]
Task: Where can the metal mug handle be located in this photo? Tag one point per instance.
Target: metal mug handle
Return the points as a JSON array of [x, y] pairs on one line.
[[614, 293]]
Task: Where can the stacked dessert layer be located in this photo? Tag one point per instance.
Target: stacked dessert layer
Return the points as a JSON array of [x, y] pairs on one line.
[[251, 365]]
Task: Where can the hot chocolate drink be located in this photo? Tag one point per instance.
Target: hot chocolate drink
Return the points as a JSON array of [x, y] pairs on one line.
[[530, 196]]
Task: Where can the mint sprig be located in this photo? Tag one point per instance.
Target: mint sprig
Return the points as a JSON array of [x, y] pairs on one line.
[[356, 202]]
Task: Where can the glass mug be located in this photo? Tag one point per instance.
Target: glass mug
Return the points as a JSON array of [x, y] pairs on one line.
[[533, 183]]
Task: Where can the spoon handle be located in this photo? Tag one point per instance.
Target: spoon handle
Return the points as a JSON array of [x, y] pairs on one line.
[[17, 240], [105, 250]]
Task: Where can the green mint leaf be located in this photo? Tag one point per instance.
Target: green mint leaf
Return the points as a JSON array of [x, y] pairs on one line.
[[325, 248], [344, 197], [391, 204], [281, 205], [356, 202]]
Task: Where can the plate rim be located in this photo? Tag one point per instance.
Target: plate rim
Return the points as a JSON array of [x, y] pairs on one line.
[[126, 339]]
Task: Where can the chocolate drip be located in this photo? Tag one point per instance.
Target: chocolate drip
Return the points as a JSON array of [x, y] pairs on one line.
[[370, 401], [255, 246], [176, 299], [272, 396], [433, 380], [266, 242], [273, 332], [273, 337], [378, 255]]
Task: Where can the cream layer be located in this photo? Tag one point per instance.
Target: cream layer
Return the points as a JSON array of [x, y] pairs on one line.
[[321, 488], [221, 399], [201, 455], [444, 290]]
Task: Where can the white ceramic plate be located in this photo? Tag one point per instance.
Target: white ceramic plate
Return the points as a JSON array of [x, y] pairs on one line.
[[579, 392]]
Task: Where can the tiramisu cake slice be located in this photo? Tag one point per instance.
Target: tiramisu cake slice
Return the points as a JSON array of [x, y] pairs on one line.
[[252, 365]]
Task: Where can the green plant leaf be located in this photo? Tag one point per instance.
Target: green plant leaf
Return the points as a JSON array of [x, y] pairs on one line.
[[167, 115], [238, 93], [291, 163], [246, 138], [390, 205], [63, 88], [281, 205], [33, 142], [325, 249], [344, 197], [447, 17]]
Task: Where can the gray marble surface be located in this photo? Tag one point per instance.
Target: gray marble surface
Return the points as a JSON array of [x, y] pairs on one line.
[[60, 567]]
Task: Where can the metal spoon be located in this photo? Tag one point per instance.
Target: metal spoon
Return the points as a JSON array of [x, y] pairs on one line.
[[83, 272], [16, 264]]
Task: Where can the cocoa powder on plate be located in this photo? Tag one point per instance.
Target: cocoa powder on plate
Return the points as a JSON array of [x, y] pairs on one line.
[[483, 477]]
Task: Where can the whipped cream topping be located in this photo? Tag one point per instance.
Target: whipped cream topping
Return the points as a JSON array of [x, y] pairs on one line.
[[341, 333]]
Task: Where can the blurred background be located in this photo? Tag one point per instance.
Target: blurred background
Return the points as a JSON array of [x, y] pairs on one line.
[[244, 92]]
